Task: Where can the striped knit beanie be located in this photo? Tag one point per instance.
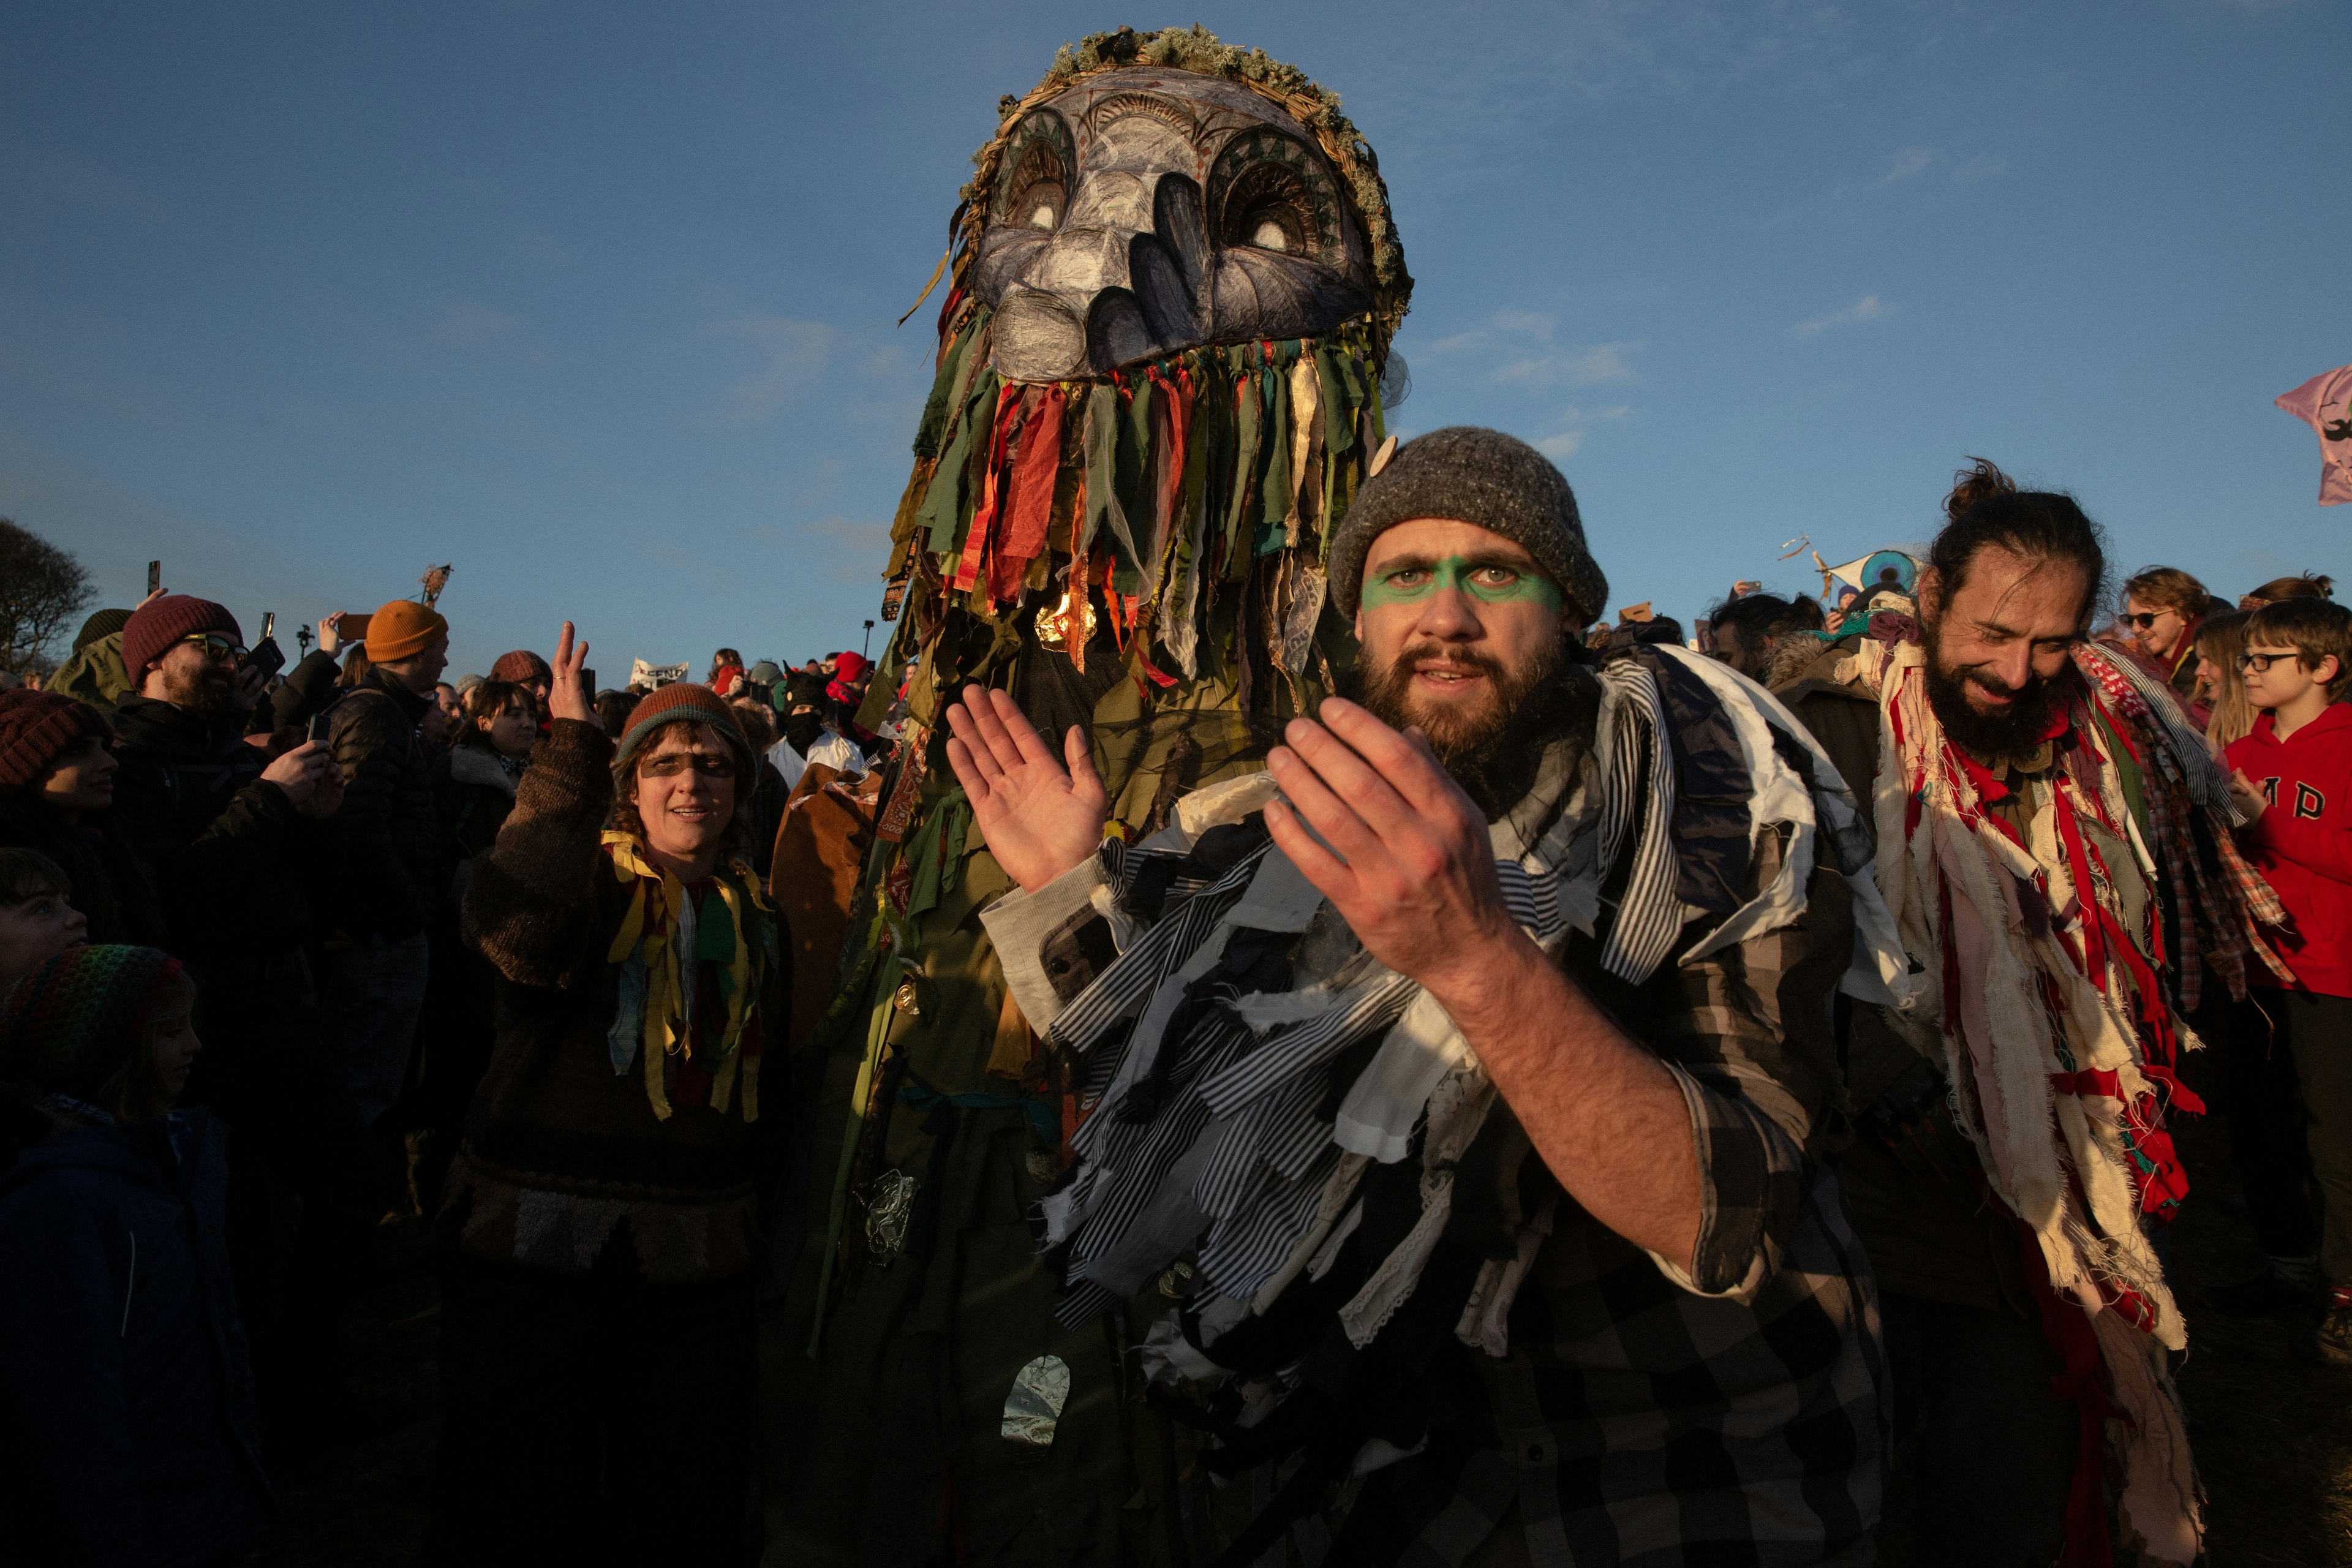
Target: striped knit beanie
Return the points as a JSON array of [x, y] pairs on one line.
[[104, 624], [71, 1023], [35, 727], [685, 702]]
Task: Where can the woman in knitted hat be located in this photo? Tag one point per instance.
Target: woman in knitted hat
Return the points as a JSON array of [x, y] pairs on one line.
[[603, 1216], [127, 1429], [56, 795]]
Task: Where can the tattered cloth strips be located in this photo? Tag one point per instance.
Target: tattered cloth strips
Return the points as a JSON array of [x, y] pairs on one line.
[[692, 964], [2035, 917], [1250, 1074], [1178, 475]]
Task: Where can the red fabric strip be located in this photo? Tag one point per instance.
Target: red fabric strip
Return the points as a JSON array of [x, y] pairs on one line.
[[975, 542], [1029, 501]]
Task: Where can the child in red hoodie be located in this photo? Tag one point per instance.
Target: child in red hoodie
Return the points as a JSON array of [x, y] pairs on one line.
[[2293, 781]]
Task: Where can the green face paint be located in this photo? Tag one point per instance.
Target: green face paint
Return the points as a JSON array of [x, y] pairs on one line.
[[1488, 582]]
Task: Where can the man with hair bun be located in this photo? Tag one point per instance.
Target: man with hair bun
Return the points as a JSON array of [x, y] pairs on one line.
[[2012, 1167]]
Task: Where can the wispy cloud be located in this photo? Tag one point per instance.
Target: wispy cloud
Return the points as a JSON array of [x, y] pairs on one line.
[[467, 326], [1869, 308], [1575, 424], [1907, 162], [1520, 348], [1983, 167], [794, 354]]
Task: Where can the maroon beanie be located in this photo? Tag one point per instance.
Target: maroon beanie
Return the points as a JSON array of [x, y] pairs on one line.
[[521, 666], [152, 629], [35, 727]]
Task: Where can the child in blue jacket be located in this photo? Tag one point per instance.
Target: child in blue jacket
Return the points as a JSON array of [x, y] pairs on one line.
[[127, 1432]]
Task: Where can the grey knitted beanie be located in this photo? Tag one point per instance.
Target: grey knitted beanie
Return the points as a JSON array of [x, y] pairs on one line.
[[1471, 474]]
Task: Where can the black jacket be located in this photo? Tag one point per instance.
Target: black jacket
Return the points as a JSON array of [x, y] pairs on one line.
[[308, 689], [110, 886], [127, 1432], [390, 837], [231, 858]]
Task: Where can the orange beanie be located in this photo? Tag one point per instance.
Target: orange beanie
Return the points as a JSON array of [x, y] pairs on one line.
[[403, 629]]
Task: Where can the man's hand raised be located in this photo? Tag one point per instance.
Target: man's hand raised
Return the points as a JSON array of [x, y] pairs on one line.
[[1413, 872], [570, 698], [1038, 819]]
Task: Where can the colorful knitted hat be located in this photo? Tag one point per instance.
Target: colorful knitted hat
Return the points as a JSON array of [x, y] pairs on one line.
[[35, 727], [403, 629], [684, 700], [70, 1024], [521, 666], [153, 627]]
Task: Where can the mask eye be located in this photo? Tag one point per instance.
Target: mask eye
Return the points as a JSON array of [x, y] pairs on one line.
[[1041, 205], [1040, 166], [1270, 193]]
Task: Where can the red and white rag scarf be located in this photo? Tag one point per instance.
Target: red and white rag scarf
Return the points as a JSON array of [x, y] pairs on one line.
[[2043, 942]]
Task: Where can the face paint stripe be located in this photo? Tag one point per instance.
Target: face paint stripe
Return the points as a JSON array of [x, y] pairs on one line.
[[1456, 572]]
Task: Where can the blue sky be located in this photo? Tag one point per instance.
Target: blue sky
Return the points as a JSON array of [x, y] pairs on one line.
[[596, 302]]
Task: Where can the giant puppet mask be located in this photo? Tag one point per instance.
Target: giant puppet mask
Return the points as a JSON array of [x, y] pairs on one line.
[[1158, 380], [1170, 288], [1143, 212]]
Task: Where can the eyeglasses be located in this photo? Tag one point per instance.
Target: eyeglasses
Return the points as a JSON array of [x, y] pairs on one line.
[[2145, 619], [669, 764], [215, 646], [2261, 662]]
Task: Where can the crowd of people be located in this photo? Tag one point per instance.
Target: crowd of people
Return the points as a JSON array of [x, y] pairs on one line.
[[318, 973]]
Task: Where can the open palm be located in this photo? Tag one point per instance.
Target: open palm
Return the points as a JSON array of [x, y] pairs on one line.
[[1037, 817]]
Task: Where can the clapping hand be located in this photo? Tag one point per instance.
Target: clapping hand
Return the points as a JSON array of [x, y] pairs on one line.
[[2248, 794], [1037, 818], [570, 698]]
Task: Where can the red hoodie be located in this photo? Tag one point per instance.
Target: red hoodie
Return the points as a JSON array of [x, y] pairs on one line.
[[2303, 843]]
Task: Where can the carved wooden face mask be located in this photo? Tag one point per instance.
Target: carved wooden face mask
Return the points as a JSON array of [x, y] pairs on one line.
[[1146, 211]]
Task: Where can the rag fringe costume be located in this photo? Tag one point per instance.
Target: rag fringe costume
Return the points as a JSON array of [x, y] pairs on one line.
[[2062, 909], [1170, 290], [1295, 1149]]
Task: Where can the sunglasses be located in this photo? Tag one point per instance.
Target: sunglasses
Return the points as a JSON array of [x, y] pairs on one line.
[[669, 764], [2144, 619], [216, 646], [2261, 662]]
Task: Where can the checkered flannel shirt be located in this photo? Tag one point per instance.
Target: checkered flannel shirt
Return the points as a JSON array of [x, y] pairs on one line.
[[1736, 1411]]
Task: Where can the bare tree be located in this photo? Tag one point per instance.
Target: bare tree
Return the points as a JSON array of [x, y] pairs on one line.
[[42, 590]]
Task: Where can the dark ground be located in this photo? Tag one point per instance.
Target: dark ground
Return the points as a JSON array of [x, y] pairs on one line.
[[2272, 1428]]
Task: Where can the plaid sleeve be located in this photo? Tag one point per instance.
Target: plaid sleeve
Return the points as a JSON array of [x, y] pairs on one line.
[[1746, 1031]]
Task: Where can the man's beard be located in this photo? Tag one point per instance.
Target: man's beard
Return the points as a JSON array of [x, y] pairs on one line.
[[2011, 730], [1494, 751], [200, 690]]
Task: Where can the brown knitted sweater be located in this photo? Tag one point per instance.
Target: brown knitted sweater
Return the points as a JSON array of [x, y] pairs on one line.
[[562, 1157]]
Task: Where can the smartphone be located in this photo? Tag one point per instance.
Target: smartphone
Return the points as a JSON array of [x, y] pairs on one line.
[[266, 657], [318, 731], [154, 576], [352, 625], [588, 679]]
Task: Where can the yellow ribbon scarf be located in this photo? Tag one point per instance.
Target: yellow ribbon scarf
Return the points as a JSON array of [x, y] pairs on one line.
[[649, 930]]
